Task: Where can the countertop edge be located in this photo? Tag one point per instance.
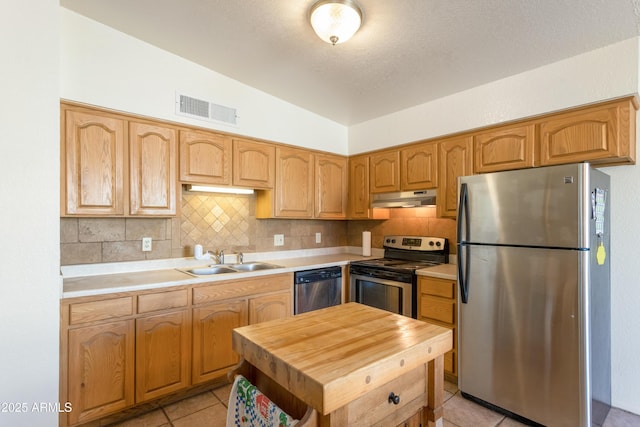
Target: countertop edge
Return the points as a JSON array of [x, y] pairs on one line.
[[443, 271], [96, 285]]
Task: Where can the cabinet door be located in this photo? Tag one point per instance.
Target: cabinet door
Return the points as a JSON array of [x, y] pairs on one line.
[[92, 164], [385, 171], [162, 354], [511, 147], [101, 370], [270, 307], [456, 159], [359, 198], [212, 342], [253, 164], [419, 167], [153, 171], [592, 134], [331, 186], [205, 158], [437, 301], [294, 183]]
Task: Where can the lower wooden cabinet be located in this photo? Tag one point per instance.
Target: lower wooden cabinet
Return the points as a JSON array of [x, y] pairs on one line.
[[128, 348], [100, 370], [162, 354], [437, 303], [212, 326], [270, 307]]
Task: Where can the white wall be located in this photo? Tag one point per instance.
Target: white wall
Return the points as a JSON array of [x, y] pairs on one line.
[[108, 68], [29, 209], [598, 75]]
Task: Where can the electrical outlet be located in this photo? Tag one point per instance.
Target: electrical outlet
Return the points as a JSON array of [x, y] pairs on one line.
[[278, 240], [146, 244], [318, 237]]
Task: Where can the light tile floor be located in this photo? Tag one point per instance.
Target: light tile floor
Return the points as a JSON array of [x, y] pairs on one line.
[[209, 409]]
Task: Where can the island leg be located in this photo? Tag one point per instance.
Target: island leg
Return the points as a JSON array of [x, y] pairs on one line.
[[435, 392]]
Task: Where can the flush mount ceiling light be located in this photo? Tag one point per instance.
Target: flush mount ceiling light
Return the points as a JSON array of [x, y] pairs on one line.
[[335, 21]]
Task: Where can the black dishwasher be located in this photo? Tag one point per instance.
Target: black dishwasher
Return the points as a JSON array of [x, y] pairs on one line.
[[315, 289]]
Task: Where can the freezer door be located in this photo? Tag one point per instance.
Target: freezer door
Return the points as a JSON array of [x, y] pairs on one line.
[[548, 207], [522, 332]]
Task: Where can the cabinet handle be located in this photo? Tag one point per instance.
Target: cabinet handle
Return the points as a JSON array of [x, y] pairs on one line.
[[394, 398]]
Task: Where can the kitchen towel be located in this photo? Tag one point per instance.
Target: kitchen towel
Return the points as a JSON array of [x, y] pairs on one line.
[[249, 407], [366, 243]]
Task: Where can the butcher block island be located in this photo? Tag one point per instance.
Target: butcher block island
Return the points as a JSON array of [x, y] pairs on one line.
[[349, 365]]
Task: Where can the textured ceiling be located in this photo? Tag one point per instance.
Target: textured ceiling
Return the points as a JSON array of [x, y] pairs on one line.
[[407, 52]]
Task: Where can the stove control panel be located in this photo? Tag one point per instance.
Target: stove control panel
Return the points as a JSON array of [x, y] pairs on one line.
[[415, 243]]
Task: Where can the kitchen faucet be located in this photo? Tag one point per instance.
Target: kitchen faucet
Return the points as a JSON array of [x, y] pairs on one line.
[[217, 255]]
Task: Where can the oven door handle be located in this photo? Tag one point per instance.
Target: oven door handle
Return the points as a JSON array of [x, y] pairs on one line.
[[395, 283]]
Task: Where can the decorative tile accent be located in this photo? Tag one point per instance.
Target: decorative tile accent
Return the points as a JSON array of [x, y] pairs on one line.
[[216, 221]]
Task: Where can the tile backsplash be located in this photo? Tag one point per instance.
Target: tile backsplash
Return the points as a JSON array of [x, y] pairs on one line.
[[229, 222]]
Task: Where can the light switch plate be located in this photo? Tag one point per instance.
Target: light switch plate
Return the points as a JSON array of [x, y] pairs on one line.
[[318, 237], [278, 240]]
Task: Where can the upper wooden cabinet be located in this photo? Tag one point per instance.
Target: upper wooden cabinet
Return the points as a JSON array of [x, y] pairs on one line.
[[293, 192], [253, 164], [93, 164], [153, 172], [111, 166], [308, 185], [331, 186], [359, 198], [419, 166], [599, 134], [205, 158], [456, 159], [504, 148], [384, 170]]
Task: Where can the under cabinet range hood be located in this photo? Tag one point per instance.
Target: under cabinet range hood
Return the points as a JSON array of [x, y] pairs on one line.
[[404, 199]]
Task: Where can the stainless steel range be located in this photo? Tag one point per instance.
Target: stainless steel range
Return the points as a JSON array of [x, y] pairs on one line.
[[390, 283]]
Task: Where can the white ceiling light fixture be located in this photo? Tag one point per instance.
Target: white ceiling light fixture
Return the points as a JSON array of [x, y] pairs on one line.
[[335, 21]]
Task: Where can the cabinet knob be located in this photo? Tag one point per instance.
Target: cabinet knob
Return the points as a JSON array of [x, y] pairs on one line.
[[394, 398]]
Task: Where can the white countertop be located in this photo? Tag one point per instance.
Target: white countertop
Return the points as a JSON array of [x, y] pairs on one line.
[[93, 280], [100, 279], [443, 271]]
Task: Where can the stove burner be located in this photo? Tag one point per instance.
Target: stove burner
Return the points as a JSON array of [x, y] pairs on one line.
[[409, 253]]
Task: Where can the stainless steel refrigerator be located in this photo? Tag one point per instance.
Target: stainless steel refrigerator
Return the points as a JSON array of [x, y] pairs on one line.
[[534, 312]]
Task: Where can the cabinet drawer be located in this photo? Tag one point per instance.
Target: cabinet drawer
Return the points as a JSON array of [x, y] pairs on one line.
[[162, 301], [242, 287], [374, 407], [100, 310], [437, 308], [439, 288]]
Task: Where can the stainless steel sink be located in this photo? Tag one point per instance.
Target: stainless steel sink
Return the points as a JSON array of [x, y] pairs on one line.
[[229, 268], [254, 266], [205, 271]]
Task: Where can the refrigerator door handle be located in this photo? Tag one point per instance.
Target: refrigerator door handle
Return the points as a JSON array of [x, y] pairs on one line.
[[463, 215]]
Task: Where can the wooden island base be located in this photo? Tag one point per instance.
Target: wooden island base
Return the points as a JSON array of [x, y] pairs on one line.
[[348, 365]]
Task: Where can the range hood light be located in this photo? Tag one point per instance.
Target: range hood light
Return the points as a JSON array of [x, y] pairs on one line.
[[404, 199], [226, 190]]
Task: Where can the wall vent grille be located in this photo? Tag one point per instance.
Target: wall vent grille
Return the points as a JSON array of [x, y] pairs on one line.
[[205, 110]]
